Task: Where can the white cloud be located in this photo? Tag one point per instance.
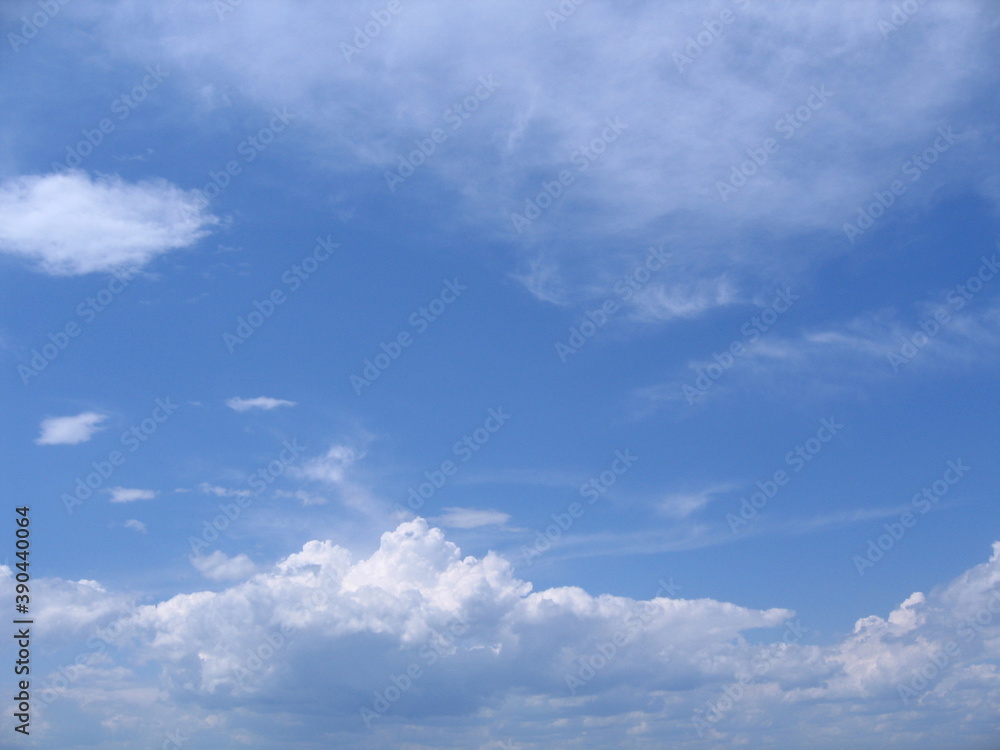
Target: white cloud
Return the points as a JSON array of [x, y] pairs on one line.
[[261, 402], [683, 504], [871, 348], [136, 525], [212, 489], [335, 468], [307, 498], [124, 495], [70, 430], [70, 224], [485, 642], [218, 567], [470, 518], [686, 129]]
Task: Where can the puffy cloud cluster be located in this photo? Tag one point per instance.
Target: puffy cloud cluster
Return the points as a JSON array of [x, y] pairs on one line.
[[380, 649]]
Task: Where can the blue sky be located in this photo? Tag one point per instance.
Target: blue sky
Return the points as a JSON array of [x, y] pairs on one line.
[[469, 341]]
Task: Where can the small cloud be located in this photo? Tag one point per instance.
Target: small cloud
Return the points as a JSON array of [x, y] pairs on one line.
[[137, 525], [212, 489], [332, 467], [218, 567], [71, 224], [471, 518], [70, 430], [123, 495], [261, 402], [307, 498], [683, 504]]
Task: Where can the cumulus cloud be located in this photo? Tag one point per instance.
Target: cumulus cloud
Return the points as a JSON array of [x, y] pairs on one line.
[[560, 658], [69, 223], [125, 495], [135, 525], [218, 567], [261, 402], [70, 430]]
